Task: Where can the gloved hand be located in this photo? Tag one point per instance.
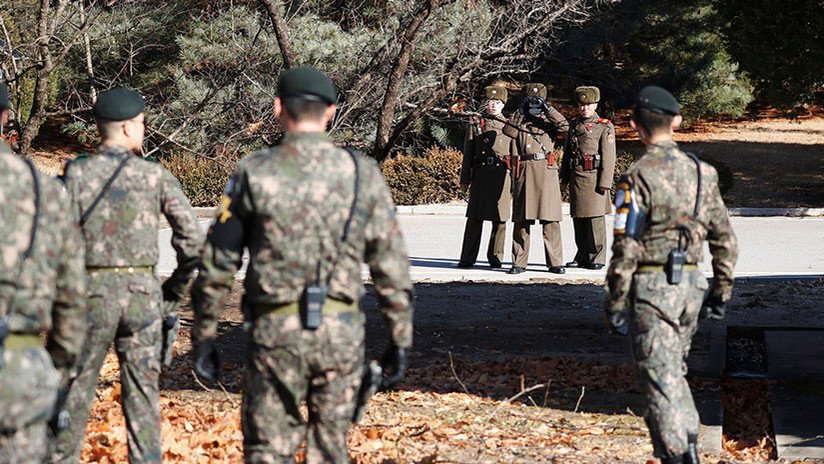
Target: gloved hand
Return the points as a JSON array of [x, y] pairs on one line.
[[712, 308], [206, 362], [617, 323], [171, 326], [393, 363]]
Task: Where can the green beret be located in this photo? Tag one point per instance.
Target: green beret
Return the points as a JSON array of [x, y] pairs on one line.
[[587, 95], [658, 100], [5, 104], [118, 104], [535, 90], [496, 92], [306, 82]]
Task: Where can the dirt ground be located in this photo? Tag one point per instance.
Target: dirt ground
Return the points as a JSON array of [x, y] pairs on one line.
[[523, 373]]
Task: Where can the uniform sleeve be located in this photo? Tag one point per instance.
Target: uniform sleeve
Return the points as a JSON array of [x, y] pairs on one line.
[[468, 154], [221, 257], [386, 256], [607, 149], [558, 120], [69, 308], [186, 236], [722, 242]]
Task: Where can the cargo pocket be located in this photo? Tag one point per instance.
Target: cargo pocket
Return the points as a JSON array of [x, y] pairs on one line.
[[28, 388]]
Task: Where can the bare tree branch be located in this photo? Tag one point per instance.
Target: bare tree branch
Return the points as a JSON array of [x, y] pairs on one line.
[[272, 8]]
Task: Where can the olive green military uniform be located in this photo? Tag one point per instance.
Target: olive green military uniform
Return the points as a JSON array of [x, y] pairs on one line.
[[537, 191], [48, 297], [485, 170], [289, 207], [125, 296], [589, 165], [664, 317]]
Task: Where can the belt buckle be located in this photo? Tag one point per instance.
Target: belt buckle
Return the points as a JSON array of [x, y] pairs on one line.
[[490, 160]]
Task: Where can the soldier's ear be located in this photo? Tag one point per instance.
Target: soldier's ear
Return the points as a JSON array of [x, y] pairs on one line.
[[676, 121], [277, 107], [4, 116], [329, 114]]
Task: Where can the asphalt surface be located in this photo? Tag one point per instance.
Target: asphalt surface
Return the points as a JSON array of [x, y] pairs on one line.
[[770, 247]]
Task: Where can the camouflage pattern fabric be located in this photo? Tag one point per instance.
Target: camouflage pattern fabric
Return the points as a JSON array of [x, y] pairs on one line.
[[50, 298], [663, 317], [283, 356], [125, 307], [288, 206]]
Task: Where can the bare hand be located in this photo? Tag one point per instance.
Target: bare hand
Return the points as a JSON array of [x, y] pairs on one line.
[[601, 190]]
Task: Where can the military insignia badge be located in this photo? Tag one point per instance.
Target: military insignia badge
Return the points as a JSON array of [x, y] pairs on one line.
[[611, 138]]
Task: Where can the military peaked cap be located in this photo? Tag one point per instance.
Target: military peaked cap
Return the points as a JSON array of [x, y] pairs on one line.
[[118, 104], [535, 90], [306, 82], [496, 92], [5, 104], [587, 95], [658, 100]]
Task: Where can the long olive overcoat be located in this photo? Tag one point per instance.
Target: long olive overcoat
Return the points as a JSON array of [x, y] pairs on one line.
[[590, 136], [484, 168]]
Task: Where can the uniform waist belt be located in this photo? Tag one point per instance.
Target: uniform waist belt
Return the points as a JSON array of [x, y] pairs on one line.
[[647, 268], [120, 269], [534, 156], [491, 160], [22, 342], [330, 306]]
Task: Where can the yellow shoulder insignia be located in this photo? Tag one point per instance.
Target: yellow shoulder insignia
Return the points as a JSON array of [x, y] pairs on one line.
[[604, 121]]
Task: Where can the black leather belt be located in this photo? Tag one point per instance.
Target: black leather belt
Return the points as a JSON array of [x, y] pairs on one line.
[[533, 157], [491, 160]]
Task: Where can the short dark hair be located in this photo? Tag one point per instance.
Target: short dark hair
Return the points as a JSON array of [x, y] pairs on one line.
[[302, 109], [652, 122]]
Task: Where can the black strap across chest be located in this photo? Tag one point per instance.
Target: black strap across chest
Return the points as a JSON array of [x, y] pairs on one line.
[[85, 216]]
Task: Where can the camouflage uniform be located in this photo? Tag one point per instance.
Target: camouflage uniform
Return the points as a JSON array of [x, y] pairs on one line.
[[288, 206], [664, 317], [124, 293], [49, 299]]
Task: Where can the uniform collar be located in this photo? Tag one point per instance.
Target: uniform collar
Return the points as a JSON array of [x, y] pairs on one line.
[[592, 118], [115, 151], [292, 137]]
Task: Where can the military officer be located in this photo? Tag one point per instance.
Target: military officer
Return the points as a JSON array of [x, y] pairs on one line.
[[43, 291], [119, 197], [485, 170], [537, 192], [588, 167], [667, 205], [309, 214]]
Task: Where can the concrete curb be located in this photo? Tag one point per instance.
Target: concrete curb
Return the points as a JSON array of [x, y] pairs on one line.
[[460, 210]]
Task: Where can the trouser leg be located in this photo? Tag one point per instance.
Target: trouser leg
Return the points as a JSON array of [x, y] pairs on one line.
[[337, 369], [553, 247], [139, 355], [664, 320], [496, 242], [520, 243], [471, 240], [26, 445], [590, 240], [274, 387], [102, 324]]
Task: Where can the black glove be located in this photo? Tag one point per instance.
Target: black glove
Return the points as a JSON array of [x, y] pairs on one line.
[[394, 364], [207, 363], [712, 308], [171, 326], [617, 323]]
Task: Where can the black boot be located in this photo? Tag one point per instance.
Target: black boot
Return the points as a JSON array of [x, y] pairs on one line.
[[691, 456], [673, 459]]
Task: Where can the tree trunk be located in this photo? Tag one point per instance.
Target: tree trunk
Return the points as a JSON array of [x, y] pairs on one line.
[[41, 86], [280, 32], [396, 75]]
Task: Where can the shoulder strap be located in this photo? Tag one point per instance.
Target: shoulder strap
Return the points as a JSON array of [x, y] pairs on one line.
[[698, 191], [85, 216], [354, 155]]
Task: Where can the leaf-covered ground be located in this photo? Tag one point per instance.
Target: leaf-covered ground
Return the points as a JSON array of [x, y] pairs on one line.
[[529, 381]]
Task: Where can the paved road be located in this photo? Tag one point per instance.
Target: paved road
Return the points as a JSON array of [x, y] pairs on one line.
[[770, 247]]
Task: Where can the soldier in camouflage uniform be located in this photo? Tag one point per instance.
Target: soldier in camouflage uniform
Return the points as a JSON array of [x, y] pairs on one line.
[[291, 207], [41, 291], [664, 213], [537, 192], [126, 301], [485, 170], [588, 165]]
